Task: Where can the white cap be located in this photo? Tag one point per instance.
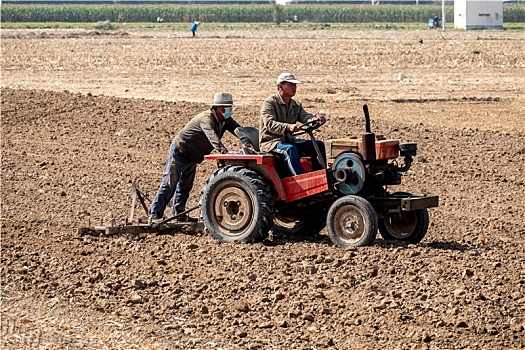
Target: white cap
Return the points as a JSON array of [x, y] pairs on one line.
[[287, 77]]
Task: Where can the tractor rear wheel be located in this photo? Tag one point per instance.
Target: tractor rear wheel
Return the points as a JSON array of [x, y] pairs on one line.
[[352, 222], [237, 205], [406, 226]]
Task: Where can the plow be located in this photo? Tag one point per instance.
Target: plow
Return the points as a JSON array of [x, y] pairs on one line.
[[136, 224]]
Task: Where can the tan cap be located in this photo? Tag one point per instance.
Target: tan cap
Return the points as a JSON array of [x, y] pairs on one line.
[[223, 99]]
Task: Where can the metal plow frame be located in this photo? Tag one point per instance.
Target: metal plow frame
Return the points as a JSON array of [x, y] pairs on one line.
[[138, 226]]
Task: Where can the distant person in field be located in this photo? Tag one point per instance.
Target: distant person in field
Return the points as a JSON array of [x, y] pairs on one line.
[[194, 27], [198, 138], [436, 21]]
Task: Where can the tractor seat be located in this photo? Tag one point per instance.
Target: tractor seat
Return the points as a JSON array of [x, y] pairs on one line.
[[249, 137]]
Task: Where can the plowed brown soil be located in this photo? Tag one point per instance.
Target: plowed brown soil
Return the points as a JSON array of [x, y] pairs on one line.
[[85, 114]]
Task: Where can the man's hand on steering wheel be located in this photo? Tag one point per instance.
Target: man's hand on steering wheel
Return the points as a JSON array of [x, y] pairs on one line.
[[293, 127], [310, 125]]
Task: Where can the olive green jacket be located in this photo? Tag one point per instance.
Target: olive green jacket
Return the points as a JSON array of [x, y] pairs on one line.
[[202, 135], [275, 115]]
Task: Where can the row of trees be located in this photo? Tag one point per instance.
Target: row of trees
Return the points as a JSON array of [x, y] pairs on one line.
[[160, 2]]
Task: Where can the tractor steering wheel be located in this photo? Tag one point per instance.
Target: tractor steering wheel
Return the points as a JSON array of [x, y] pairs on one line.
[[310, 125]]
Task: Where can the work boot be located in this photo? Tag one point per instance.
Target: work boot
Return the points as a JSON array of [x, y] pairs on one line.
[[152, 220], [186, 218]]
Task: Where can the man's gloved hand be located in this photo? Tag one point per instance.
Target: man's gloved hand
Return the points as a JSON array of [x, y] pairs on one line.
[[224, 151], [321, 117]]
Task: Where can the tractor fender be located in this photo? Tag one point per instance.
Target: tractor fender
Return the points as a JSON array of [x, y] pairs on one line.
[[262, 163]]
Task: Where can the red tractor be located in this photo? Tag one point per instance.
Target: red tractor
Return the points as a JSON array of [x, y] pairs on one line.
[[249, 194]]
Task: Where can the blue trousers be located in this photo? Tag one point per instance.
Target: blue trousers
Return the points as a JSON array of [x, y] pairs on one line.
[[177, 179], [291, 153]]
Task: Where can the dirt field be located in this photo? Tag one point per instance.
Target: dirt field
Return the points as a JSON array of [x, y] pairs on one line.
[[85, 114]]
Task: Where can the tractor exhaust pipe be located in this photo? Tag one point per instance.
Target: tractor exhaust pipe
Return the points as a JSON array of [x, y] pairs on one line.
[[368, 138], [367, 118]]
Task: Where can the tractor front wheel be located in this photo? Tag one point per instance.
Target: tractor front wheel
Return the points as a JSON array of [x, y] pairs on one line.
[[352, 222], [237, 205]]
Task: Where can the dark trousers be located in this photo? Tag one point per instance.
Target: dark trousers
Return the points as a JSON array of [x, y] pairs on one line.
[[177, 179]]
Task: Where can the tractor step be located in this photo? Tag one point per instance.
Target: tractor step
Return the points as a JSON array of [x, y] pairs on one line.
[[408, 203]]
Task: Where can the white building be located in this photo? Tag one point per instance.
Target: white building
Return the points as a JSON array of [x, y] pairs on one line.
[[478, 14]]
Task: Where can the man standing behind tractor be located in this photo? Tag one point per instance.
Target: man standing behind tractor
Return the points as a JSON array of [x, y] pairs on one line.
[[281, 116], [194, 27], [198, 138]]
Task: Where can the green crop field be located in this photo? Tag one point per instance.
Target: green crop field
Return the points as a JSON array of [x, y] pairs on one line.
[[235, 13]]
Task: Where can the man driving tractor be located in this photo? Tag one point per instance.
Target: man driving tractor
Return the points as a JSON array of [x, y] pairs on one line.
[[280, 117]]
